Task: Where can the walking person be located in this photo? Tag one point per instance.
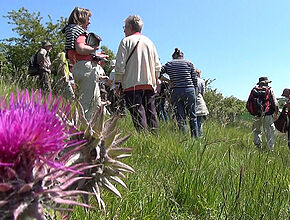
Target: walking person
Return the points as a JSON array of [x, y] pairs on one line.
[[184, 89], [137, 70], [263, 105], [44, 63], [286, 94], [201, 108], [79, 53]]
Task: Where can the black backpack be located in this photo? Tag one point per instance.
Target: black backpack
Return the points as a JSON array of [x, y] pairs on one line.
[[259, 102], [33, 66]]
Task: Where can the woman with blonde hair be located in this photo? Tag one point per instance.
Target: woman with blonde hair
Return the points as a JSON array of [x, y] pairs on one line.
[[79, 53]]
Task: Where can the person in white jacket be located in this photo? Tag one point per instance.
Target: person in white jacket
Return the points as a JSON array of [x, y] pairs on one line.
[[137, 70], [201, 108]]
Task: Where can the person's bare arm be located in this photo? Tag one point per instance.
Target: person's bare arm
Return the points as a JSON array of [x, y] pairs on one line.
[[83, 49]]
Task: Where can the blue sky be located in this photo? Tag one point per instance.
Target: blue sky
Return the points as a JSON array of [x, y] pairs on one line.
[[232, 41]]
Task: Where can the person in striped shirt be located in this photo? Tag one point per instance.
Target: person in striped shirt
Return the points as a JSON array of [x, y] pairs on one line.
[[184, 89], [79, 53]]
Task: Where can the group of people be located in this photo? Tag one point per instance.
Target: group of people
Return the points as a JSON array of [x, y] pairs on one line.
[[138, 76], [264, 107]]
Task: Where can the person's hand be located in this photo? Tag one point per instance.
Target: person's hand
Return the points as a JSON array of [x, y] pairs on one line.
[[106, 103], [96, 47], [104, 77], [102, 55]]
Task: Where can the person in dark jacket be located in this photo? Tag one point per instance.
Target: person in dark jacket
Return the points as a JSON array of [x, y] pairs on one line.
[[44, 62]]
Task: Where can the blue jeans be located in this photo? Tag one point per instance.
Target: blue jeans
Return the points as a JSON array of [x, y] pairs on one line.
[[184, 102], [161, 109]]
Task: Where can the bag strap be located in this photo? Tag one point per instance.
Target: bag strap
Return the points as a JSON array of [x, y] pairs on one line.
[[133, 51]]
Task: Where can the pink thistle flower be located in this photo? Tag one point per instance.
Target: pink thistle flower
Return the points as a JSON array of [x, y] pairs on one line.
[[36, 171], [31, 129]]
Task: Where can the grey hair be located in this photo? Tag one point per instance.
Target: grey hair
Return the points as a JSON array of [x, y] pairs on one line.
[[135, 21]]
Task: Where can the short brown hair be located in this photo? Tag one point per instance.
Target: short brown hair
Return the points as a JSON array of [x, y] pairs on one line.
[[79, 16]]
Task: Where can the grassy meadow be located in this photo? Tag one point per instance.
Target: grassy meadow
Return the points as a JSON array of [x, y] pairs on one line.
[[220, 176]]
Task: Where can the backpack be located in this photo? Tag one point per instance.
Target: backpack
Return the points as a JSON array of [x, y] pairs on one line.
[[259, 103], [281, 124], [33, 65]]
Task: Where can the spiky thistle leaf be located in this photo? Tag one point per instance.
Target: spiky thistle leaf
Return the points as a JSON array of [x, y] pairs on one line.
[[103, 148]]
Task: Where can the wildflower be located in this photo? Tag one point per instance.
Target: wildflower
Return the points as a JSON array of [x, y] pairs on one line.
[[30, 130], [41, 159], [32, 133]]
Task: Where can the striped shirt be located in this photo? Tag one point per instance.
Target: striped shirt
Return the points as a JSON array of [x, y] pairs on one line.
[[72, 32], [181, 72]]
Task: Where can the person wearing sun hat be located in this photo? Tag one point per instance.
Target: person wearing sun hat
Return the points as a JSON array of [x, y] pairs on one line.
[[263, 93], [264, 81], [286, 94], [44, 62]]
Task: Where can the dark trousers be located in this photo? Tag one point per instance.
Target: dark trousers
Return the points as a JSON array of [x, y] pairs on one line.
[[44, 81], [140, 104], [289, 136]]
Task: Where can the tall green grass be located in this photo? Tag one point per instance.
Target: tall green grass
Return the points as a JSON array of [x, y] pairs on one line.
[[221, 176]]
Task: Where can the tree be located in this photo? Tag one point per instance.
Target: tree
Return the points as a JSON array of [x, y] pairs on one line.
[[4, 67], [223, 109], [31, 32], [111, 57]]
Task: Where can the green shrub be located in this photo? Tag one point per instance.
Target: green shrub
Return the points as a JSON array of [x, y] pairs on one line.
[[223, 109]]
